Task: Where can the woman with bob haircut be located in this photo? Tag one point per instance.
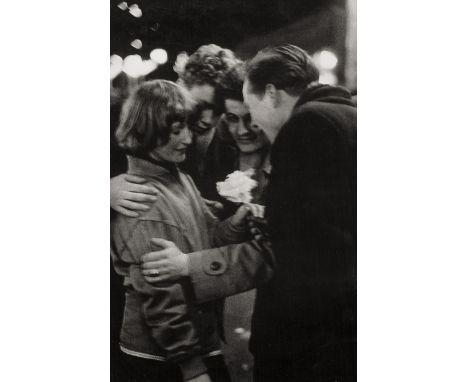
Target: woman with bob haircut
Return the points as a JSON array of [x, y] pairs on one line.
[[165, 336]]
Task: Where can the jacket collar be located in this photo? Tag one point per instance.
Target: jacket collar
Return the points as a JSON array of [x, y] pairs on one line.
[[325, 93], [150, 168]]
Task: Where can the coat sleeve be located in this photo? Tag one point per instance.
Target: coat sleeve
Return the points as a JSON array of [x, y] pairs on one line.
[[166, 308], [221, 232], [221, 272]]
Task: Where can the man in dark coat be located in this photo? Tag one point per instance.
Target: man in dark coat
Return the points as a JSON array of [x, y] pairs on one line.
[[304, 324]]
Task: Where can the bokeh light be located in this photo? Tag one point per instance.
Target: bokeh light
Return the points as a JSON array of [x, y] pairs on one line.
[[132, 65], [327, 60], [147, 66], [137, 44], [135, 10], [115, 66], [159, 56], [328, 78], [123, 6]]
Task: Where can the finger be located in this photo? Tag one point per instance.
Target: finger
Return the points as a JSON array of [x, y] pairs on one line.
[[256, 210], [134, 206], [139, 197], [134, 179], [151, 272], [142, 189], [162, 243], [152, 260], [156, 279], [125, 212]]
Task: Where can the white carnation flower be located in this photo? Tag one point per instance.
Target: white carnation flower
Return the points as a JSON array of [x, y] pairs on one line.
[[238, 186]]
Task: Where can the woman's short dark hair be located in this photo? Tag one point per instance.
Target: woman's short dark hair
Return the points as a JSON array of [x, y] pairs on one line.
[[288, 67], [230, 86], [149, 112]]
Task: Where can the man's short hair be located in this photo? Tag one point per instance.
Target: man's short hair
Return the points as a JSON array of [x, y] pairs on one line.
[[149, 112], [287, 67], [208, 66]]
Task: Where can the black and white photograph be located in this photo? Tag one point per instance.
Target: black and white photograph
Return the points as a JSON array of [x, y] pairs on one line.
[[233, 191], [211, 214]]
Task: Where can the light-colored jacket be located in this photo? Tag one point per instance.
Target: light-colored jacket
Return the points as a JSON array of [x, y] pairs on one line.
[[163, 322]]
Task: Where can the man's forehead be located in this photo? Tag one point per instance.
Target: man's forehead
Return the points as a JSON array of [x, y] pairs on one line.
[[203, 92]]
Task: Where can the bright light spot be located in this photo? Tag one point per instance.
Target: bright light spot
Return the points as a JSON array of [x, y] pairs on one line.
[[147, 67], [137, 44], [180, 62], [135, 10], [328, 78], [159, 56], [132, 65], [115, 59], [115, 66], [123, 6], [239, 330], [327, 60]]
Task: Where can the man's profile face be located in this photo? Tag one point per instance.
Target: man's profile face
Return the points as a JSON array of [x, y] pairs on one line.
[[262, 109]]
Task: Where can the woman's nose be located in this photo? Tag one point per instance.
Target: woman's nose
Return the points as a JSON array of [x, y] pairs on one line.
[[242, 128], [187, 137]]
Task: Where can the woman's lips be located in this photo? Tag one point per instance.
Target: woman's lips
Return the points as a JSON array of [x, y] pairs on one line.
[[247, 139]]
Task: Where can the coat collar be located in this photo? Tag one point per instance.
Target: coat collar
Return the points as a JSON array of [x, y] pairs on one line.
[[150, 168]]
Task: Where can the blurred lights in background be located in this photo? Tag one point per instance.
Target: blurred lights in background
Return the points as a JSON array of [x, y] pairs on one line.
[[132, 65], [328, 78], [159, 56], [115, 66], [123, 6], [326, 62], [135, 10], [147, 66], [137, 44]]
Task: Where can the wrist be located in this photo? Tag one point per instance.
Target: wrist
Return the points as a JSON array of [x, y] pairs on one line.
[[185, 264]]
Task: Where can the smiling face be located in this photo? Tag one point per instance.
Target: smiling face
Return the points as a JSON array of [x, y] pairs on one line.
[[248, 138], [174, 150]]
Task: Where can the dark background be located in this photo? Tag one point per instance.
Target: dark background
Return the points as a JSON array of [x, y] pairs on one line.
[[245, 26]]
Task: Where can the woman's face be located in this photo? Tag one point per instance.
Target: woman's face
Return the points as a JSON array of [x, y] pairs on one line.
[[247, 137], [175, 149]]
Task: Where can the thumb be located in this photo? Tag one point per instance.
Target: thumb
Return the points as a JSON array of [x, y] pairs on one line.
[[157, 243]]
